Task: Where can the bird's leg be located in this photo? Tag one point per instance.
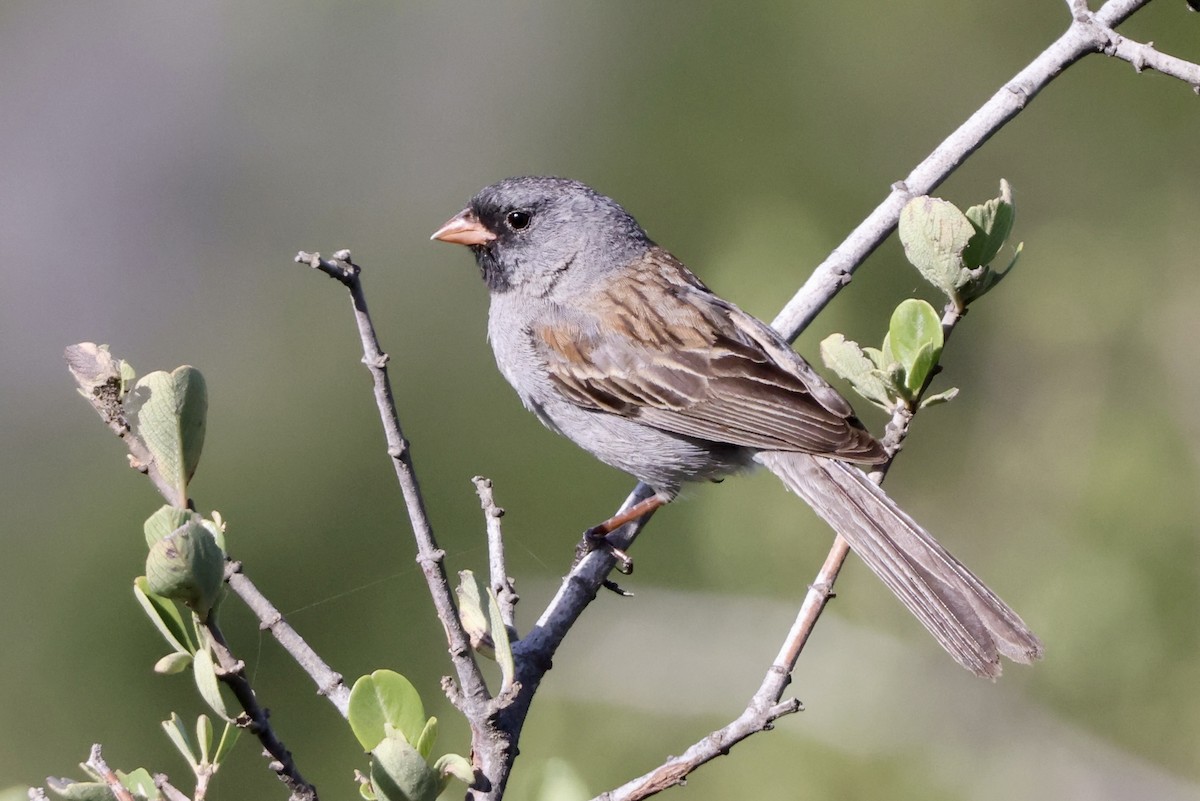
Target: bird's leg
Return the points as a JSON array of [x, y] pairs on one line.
[[596, 537]]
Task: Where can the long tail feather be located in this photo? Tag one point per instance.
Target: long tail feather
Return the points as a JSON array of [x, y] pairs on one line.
[[966, 617]]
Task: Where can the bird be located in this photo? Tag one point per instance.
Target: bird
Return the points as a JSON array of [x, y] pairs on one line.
[[612, 342]]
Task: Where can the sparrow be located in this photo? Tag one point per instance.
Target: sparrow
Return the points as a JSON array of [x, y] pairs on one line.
[[612, 342]]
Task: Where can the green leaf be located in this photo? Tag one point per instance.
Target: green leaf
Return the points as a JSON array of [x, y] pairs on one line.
[[503, 649], [941, 397], [168, 518], [80, 791], [427, 738], [177, 733], [454, 766], [399, 773], [187, 566], [172, 663], [918, 373], [993, 223], [859, 367], [165, 615], [385, 698], [204, 736], [985, 282], [934, 234], [208, 684], [167, 412], [470, 613], [139, 782], [915, 337]]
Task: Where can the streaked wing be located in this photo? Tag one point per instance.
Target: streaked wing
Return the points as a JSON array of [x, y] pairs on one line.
[[695, 365]]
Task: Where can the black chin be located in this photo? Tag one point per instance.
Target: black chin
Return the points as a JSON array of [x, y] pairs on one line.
[[493, 271]]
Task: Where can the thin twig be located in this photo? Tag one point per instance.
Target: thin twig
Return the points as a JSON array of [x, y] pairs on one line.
[[231, 671], [96, 762], [502, 585], [329, 682], [472, 696], [1145, 56], [166, 789]]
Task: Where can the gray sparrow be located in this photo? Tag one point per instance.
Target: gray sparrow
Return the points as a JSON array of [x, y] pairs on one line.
[[612, 342]]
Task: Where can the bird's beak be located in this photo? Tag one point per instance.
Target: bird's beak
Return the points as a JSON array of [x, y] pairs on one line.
[[464, 228]]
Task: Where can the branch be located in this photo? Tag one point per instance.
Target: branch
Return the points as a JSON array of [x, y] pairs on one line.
[[1144, 56], [1087, 34], [502, 585], [473, 699], [329, 682], [232, 673], [96, 762]]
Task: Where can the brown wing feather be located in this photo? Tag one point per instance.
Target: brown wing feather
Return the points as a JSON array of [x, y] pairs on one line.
[[696, 365]]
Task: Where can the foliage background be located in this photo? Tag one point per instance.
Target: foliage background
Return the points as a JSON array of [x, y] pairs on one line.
[[162, 163]]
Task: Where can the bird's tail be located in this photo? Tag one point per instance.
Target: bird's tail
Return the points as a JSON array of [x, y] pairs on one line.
[[967, 618]]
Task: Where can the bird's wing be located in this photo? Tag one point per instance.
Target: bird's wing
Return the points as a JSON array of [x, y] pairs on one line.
[[657, 346]]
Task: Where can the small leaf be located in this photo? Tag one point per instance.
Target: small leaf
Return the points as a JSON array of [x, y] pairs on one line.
[[188, 567], [941, 397], [165, 615], [399, 773], [845, 358], [470, 612], [919, 372], [166, 520], [915, 337], [172, 663], [990, 277], [876, 356], [993, 223], [204, 735], [934, 234], [503, 650], [427, 738], [80, 791], [177, 733], [454, 766], [139, 782], [168, 412], [385, 697], [208, 684], [858, 366]]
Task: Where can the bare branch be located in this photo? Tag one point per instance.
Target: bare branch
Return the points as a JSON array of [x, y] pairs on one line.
[[1090, 34], [231, 671], [329, 682], [166, 789], [501, 583], [475, 699], [1145, 56], [96, 762]]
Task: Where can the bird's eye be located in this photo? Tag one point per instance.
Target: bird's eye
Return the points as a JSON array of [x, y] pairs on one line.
[[517, 220]]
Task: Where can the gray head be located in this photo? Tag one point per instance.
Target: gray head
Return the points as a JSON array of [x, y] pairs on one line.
[[535, 234]]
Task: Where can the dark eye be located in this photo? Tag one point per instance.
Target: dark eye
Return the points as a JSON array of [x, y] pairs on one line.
[[517, 220]]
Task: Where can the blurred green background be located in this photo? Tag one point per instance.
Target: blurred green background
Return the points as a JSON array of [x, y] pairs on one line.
[[162, 163]]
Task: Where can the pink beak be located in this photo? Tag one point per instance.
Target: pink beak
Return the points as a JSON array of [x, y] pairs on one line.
[[464, 228]]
